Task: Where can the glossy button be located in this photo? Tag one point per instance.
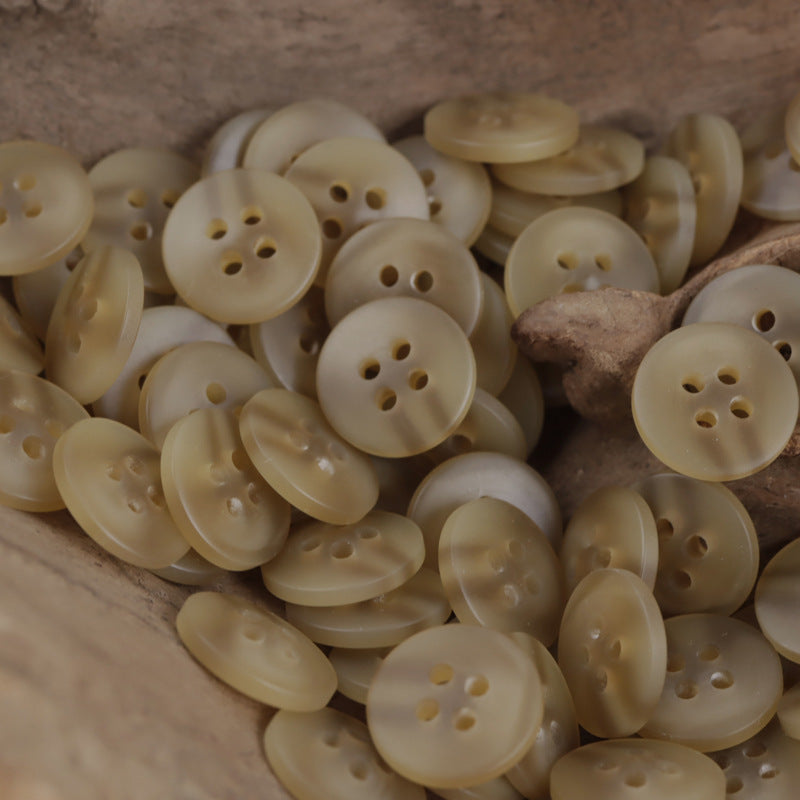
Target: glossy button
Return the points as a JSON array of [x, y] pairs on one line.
[[777, 601], [191, 570], [19, 349], [356, 669], [789, 712], [226, 148]]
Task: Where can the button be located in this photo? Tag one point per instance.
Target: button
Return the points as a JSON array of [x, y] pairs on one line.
[[523, 397], [789, 712], [134, 190], [499, 570], [707, 545], [572, 250], [777, 601], [19, 349], [494, 245], [455, 706], [331, 565], [226, 148], [242, 246], [356, 669], [612, 527], [191, 570], [293, 446], [714, 401], [33, 415], [495, 789], [792, 127], [46, 205], [459, 192], [501, 127], [255, 651], [661, 208], [125, 513], [396, 376]]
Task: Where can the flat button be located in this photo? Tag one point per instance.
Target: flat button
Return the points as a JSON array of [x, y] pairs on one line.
[[789, 712], [125, 513], [792, 127], [242, 246], [19, 349], [714, 401], [777, 601], [523, 397], [226, 148], [255, 652], [356, 669], [46, 205], [501, 127], [191, 570]]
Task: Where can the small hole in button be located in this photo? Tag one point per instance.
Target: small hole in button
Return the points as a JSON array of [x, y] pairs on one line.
[[686, 690], [603, 262], [785, 349], [135, 506], [418, 379], [339, 193], [6, 424], [401, 351], [427, 710], [342, 550], [733, 785], [113, 472], [755, 750], [767, 771], [434, 207], [265, 248], [706, 419], [741, 408], [367, 533], [387, 400], [375, 198], [370, 370], [764, 320], [232, 265], [728, 376], [33, 210], [682, 579], [359, 771], [137, 198], [33, 447], [310, 544], [697, 546], [215, 393], [464, 720], [477, 685], [240, 460], [567, 260], [428, 176], [252, 215], [441, 674], [664, 528], [389, 275], [309, 343], [141, 232], [25, 183], [155, 497], [709, 653], [422, 281], [692, 385], [636, 780], [675, 663], [722, 680], [216, 229], [332, 228], [169, 197]]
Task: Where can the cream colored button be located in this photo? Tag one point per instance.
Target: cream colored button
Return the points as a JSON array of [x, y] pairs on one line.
[[356, 669], [94, 323], [293, 446], [382, 621], [501, 127], [708, 146], [459, 192], [226, 148], [613, 652], [576, 249], [34, 413], [134, 191], [255, 651], [499, 570], [405, 258], [777, 601], [45, 205], [19, 349], [612, 527], [523, 397], [494, 245], [792, 127], [495, 789], [661, 208], [242, 246], [332, 565], [723, 683], [191, 570], [789, 712], [714, 401], [708, 549], [625, 769], [125, 512], [602, 159], [396, 376]]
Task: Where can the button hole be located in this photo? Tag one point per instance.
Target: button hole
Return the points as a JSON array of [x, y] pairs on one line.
[[722, 680], [169, 197], [387, 400], [709, 653], [370, 370], [785, 349], [567, 260], [137, 198], [706, 419], [675, 663], [340, 550], [464, 720], [441, 674], [33, 210], [375, 198], [603, 262], [728, 376], [692, 385], [215, 393], [216, 229], [33, 447], [265, 248], [422, 281], [764, 320], [332, 228], [477, 685], [428, 176], [686, 690], [697, 546], [401, 351], [427, 710], [741, 408], [388, 275], [418, 379], [434, 207], [664, 528], [252, 215], [25, 183], [232, 264], [339, 193]]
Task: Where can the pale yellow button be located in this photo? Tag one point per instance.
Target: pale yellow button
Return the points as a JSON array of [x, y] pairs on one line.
[[495, 789], [46, 205], [612, 527], [723, 683], [191, 570], [714, 401], [707, 545], [455, 706], [499, 570], [459, 192], [134, 191], [242, 246], [494, 245], [612, 650], [789, 712], [356, 669], [125, 511], [792, 127], [294, 447], [777, 601], [34, 413], [226, 148], [576, 249], [523, 397], [501, 127], [19, 349], [255, 651]]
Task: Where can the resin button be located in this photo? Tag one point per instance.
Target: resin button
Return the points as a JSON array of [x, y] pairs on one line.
[[19, 349], [356, 669], [226, 148], [191, 570], [777, 601], [789, 712]]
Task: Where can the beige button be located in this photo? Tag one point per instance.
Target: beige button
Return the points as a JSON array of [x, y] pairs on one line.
[[495, 789], [278, 141], [501, 127], [242, 246], [707, 545], [494, 245], [576, 249], [294, 447], [19, 349], [789, 712], [33, 415], [523, 397], [356, 669], [405, 258], [636, 768], [191, 570], [613, 652], [714, 401], [382, 621], [125, 513], [777, 601], [226, 148], [396, 376], [459, 192], [661, 208], [94, 323], [602, 159], [792, 127], [472, 475], [134, 191], [499, 570], [612, 527], [46, 205], [708, 146], [723, 683], [255, 651]]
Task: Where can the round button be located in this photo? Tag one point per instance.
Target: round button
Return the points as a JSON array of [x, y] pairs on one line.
[[792, 127], [789, 712], [191, 570], [777, 601], [523, 397], [494, 245], [714, 401], [356, 669], [19, 349], [455, 706], [46, 205], [226, 148], [255, 651], [501, 127], [396, 376], [242, 246], [572, 250]]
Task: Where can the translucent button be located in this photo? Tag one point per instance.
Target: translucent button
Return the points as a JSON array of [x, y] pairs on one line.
[[226, 148], [356, 669], [789, 712], [777, 601], [523, 397], [191, 570], [19, 349]]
